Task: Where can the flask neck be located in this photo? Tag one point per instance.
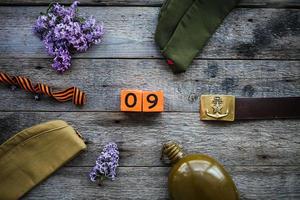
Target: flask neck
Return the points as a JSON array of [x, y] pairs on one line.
[[172, 151]]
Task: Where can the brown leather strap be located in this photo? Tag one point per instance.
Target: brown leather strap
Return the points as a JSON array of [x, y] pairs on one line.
[[267, 108]]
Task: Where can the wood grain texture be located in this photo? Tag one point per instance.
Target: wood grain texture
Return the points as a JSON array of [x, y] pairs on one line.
[[246, 33], [102, 80], [140, 136], [264, 3], [254, 53], [257, 183]]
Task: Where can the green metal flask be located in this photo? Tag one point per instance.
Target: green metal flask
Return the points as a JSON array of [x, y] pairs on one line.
[[197, 176]]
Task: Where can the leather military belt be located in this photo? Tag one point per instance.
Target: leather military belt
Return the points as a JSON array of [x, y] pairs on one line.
[[229, 108]]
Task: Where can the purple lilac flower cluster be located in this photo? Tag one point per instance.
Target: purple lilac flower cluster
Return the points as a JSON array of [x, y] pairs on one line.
[[63, 33], [106, 163]]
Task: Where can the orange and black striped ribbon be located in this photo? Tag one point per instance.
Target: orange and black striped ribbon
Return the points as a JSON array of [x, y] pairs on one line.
[[72, 93]]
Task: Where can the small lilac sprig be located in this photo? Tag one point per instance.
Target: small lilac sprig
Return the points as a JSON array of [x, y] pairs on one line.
[[106, 164], [64, 32]]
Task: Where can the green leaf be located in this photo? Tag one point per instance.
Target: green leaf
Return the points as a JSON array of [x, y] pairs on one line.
[[49, 7]]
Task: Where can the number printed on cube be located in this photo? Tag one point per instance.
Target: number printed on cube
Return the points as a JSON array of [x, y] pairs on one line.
[[153, 101], [131, 100]]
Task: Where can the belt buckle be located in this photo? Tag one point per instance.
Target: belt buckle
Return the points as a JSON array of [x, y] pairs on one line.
[[217, 107]]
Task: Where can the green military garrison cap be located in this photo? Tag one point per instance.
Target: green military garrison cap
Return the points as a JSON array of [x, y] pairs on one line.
[[184, 27], [33, 154]]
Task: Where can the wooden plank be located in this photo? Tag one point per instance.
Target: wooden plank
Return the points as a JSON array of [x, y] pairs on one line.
[[102, 80], [245, 34], [264, 3], [140, 136], [280, 182]]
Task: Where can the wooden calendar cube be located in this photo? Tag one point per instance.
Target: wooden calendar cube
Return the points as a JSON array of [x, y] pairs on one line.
[[131, 100], [153, 101]]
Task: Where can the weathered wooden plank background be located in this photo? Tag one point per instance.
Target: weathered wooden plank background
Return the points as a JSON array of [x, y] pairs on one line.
[[255, 53], [247, 33], [264, 3]]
